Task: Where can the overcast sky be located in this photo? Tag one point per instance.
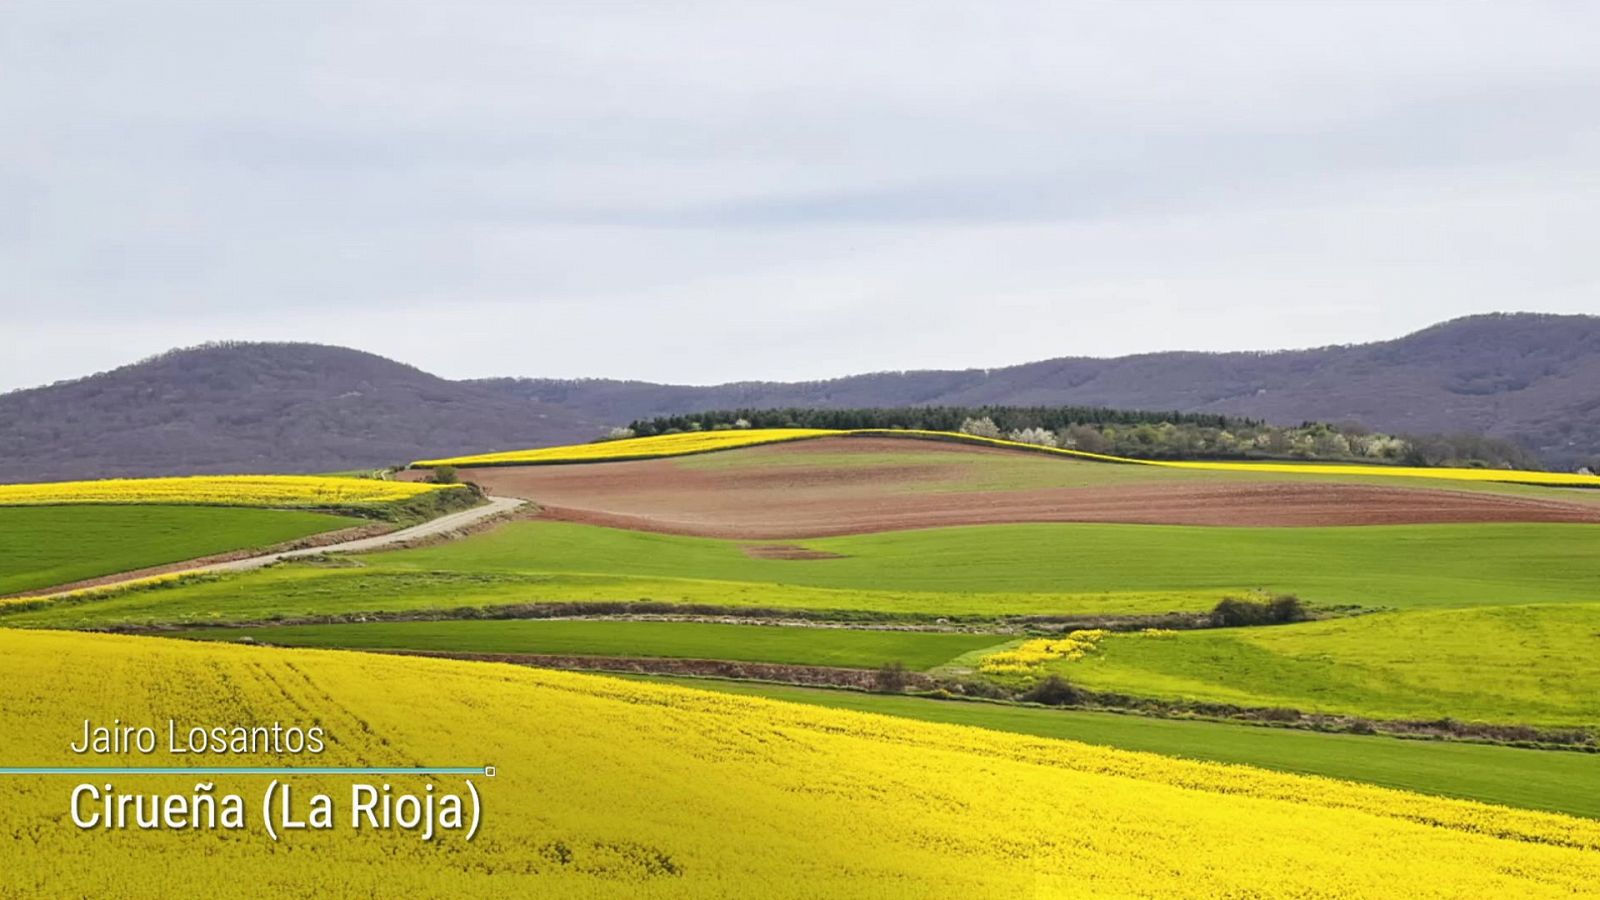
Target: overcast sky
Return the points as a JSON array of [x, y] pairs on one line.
[[706, 192]]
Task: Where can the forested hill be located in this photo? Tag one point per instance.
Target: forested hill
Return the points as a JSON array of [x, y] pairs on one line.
[[1528, 377], [306, 407], [262, 408]]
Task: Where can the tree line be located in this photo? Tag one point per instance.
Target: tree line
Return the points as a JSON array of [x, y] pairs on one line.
[[1140, 434], [930, 418]]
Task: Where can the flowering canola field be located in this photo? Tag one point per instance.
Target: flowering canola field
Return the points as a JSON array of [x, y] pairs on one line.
[[1029, 657], [611, 788], [686, 443], [221, 490], [651, 447]]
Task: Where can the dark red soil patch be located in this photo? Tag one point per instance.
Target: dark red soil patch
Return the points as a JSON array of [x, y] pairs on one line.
[[786, 551], [788, 501]]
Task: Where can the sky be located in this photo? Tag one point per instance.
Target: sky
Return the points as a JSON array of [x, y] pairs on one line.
[[706, 192]]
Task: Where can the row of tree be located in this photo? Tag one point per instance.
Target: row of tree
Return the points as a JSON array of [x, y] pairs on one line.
[[930, 418], [1183, 440], [1133, 433]]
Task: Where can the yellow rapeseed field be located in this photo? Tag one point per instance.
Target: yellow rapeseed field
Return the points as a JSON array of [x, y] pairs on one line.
[[1030, 656], [707, 441], [165, 579], [221, 490], [652, 447], [1516, 476], [612, 788]]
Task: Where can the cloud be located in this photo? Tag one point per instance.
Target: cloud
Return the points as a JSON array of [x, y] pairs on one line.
[[727, 191]]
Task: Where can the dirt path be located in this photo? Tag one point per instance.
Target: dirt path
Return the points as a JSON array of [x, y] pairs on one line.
[[433, 528], [443, 525]]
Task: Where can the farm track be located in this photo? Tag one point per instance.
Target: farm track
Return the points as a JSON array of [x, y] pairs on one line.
[[433, 528], [443, 526]]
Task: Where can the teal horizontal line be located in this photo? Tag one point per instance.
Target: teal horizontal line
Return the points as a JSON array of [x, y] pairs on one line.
[[243, 770]]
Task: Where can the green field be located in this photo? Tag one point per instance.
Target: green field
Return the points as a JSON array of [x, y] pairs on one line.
[[41, 546], [302, 589], [1535, 779], [847, 648], [972, 571], [1400, 566], [1523, 664]]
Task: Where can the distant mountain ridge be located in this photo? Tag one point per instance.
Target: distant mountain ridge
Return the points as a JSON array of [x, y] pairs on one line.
[[1530, 377]]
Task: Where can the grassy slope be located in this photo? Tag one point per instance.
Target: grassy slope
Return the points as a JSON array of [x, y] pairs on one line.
[[48, 545], [1534, 779], [1379, 566], [1532, 664], [681, 640], [306, 590], [1046, 568]]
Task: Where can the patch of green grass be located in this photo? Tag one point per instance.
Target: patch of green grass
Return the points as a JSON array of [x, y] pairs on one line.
[[1402, 565], [842, 647], [298, 589], [1078, 569], [1532, 779], [1516, 664], [41, 546]]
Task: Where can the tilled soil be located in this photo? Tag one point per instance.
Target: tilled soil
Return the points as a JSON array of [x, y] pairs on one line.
[[782, 500], [785, 551]]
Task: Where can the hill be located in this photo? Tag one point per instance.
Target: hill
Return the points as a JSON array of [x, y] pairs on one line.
[[299, 407], [261, 408], [778, 486], [1526, 377]]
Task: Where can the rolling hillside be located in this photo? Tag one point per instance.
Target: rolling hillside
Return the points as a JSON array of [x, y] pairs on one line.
[[1524, 376], [260, 408], [300, 407]]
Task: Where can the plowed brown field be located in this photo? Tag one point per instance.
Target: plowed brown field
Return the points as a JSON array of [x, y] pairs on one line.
[[838, 486]]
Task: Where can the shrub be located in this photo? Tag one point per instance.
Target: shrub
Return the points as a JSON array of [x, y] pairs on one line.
[[891, 678], [1040, 436], [1054, 691], [1288, 608], [446, 475], [985, 689], [983, 427], [1233, 612]]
